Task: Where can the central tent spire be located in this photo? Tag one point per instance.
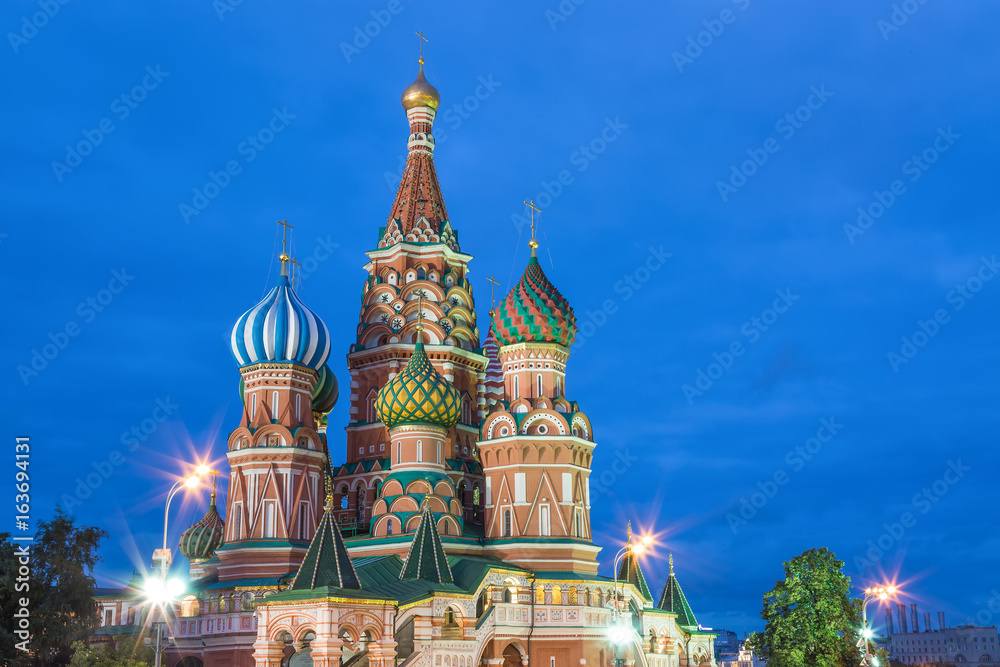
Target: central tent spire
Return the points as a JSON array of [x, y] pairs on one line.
[[419, 196]]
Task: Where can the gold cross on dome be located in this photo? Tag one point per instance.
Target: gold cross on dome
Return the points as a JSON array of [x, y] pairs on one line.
[[295, 263], [422, 40]]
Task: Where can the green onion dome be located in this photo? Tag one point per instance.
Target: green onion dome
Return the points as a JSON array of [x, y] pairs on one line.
[[534, 312], [326, 392], [201, 540], [418, 395]]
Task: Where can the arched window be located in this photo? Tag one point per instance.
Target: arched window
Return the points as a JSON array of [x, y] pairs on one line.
[[420, 451], [253, 405], [558, 386], [540, 594], [388, 527], [446, 527], [506, 523], [399, 452], [506, 594], [421, 274], [538, 380], [298, 407], [269, 518], [516, 388], [274, 405], [372, 412], [556, 595]]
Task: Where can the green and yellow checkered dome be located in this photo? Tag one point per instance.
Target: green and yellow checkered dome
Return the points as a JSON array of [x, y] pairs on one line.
[[418, 395]]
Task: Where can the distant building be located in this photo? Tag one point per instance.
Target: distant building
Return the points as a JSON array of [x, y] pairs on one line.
[[743, 658], [965, 645], [726, 642]]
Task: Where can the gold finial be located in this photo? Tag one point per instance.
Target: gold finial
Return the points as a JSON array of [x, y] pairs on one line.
[[629, 540], [533, 244], [283, 257], [422, 40], [328, 505], [671, 563], [420, 319], [493, 300]]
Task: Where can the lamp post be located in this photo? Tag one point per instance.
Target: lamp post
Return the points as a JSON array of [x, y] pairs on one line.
[[872, 594], [618, 633], [158, 590]]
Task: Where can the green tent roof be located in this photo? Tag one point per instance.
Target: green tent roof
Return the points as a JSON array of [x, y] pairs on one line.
[[673, 600], [327, 563], [426, 558]]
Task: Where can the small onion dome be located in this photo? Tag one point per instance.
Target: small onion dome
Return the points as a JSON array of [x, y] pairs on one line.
[[201, 540], [326, 392], [281, 328], [535, 312], [421, 93], [418, 395]]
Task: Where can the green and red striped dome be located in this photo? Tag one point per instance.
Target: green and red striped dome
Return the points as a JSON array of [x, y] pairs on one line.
[[534, 312], [201, 540]]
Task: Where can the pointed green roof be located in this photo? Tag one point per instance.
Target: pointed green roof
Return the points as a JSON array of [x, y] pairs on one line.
[[631, 573], [426, 558], [327, 562], [673, 600]]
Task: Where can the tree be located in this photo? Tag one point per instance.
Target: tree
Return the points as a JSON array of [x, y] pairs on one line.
[[811, 619], [122, 652], [60, 591]]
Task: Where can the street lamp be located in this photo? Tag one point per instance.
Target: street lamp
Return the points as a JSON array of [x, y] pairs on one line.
[[619, 633], [879, 593], [159, 591]]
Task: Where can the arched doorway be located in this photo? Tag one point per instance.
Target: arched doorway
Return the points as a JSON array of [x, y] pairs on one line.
[[512, 656]]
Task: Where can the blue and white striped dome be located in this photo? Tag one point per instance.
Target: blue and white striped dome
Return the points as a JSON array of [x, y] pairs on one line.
[[281, 328]]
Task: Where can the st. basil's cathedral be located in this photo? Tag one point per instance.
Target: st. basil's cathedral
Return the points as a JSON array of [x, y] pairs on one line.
[[457, 533]]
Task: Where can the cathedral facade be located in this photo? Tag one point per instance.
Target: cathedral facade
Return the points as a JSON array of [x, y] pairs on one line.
[[457, 531]]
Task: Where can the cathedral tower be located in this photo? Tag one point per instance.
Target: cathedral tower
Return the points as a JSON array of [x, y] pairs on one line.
[[417, 271], [535, 445], [276, 455]]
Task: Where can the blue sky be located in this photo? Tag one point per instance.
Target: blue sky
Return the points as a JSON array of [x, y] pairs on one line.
[[739, 138]]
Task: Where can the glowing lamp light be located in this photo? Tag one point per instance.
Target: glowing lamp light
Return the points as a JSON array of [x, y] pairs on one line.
[[192, 481], [619, 634], [638, 549], [202, 470], [175, 587], [646, 541], [867, 633], [155, 589], [874, 661]]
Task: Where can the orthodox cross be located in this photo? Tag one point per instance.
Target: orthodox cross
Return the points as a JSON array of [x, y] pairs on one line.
[[284, 234], [422, 40], [494, 283], [295, 263], [531, 205]]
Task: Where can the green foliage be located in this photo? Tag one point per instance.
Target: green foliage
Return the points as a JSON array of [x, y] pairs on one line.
[[60, 591], [123, 652], [811, 619]]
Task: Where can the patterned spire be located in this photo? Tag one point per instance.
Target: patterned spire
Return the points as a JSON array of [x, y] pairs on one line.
[[426, 558], [419, 195], [673, 600], [327, 562]]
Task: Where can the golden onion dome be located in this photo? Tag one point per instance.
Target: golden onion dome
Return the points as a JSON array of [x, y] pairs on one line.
[[418, 395], [421, 93]]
